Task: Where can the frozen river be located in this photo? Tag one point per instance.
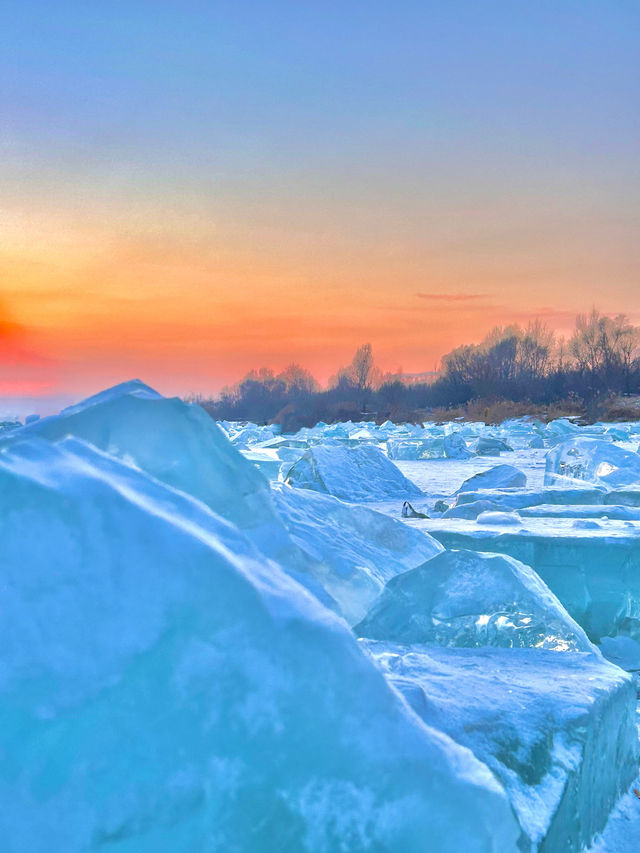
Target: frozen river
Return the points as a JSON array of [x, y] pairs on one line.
[[217, 637]]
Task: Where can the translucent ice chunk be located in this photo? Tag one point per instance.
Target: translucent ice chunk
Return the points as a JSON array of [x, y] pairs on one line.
[[593, 460], [464, 598]]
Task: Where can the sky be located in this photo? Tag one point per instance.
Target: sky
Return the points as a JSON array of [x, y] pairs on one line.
[[193, 189]]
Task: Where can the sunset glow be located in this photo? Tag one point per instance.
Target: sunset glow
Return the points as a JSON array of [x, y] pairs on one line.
[[193, 191]]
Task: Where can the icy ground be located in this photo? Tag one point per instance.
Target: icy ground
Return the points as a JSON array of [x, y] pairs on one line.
[[573, 517], [355, 638]]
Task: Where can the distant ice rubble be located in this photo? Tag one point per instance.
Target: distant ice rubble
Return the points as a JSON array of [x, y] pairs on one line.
[[460, 441], [416, 448], [179, 672]]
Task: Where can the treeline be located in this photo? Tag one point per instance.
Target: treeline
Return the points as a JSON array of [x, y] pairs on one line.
[[524, 365]]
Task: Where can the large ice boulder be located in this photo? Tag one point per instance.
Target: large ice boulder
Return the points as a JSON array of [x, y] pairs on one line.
[[355, 474], [593, 460], [164, 687], [464, 598], [180, 445], [354, 549], [558, 730], [595, 573], [499, 477]]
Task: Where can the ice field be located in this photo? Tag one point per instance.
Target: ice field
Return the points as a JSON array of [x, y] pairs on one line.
[[359, 637]]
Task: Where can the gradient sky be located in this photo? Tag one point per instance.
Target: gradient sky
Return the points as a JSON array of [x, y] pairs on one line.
[[192, 189]]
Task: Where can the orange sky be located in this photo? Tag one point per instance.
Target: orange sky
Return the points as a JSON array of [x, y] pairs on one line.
[[87, 306], [218, 187]]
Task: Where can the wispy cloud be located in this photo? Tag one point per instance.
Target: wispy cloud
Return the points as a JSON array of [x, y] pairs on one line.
[[487, 311], [451, 297]]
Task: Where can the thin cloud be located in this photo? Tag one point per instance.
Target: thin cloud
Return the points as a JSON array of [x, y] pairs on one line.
[[451, 297], [481, 304]]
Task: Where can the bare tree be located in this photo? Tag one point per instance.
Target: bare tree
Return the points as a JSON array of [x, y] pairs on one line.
[[361, 374], [362, 367], [605, 348], [298, 380], [501, 349], [534, 350], [586, 343], [628, 345]]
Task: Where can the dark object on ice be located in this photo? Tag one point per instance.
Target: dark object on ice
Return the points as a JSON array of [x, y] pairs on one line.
[[440, 506], [409, 512]]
